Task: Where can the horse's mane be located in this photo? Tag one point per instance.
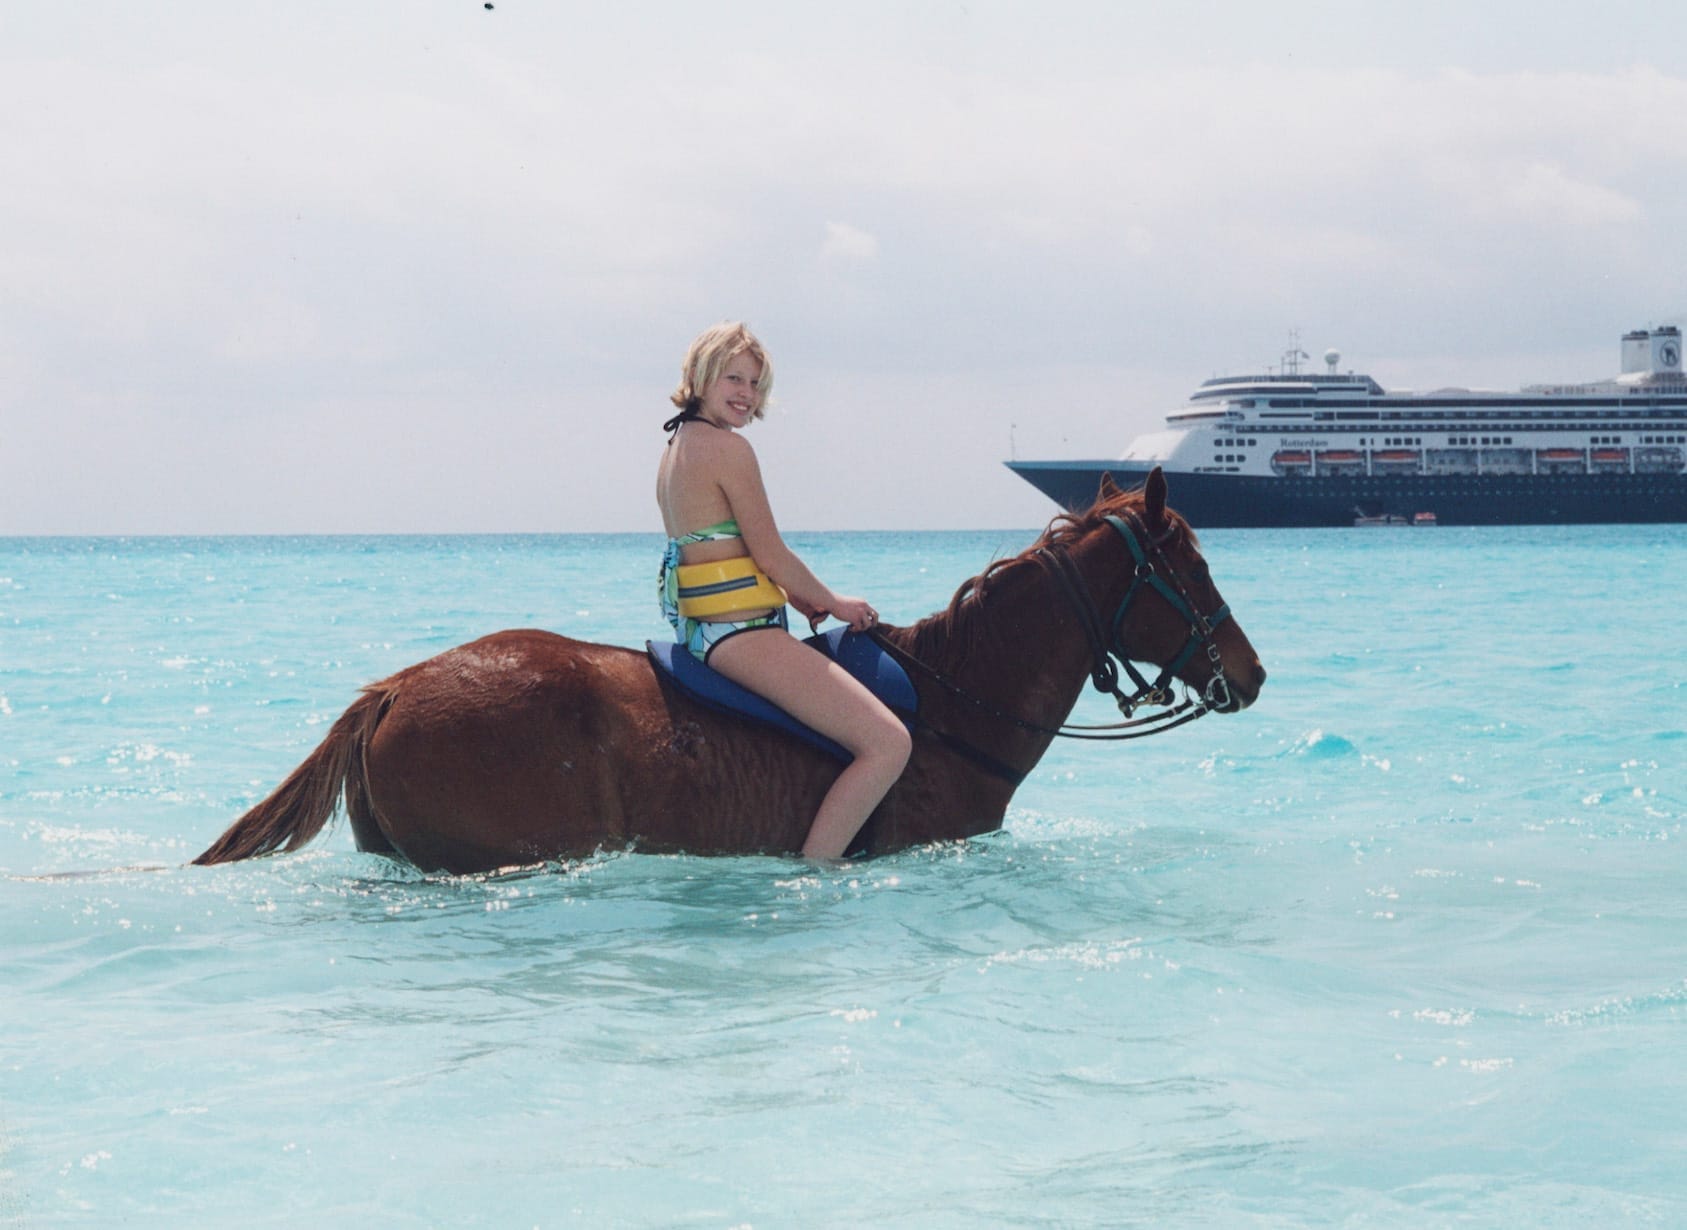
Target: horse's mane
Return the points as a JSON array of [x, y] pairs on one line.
[[955, 628]]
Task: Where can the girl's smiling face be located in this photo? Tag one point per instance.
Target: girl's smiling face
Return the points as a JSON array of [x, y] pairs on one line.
[[734, 397]]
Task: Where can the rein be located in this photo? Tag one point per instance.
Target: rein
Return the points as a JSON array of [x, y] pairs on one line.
[[1108, 651]]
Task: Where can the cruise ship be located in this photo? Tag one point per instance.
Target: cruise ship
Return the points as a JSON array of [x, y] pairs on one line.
[[1293, 448]]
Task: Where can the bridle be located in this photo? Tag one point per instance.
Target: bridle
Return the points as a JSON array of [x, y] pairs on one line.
[[1152, 571], [1108, 651]]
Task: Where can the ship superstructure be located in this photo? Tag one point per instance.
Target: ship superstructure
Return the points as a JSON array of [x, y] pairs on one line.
[[1332, 448]]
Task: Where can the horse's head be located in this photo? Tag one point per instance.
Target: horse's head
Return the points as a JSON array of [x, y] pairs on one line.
[[1168, 611]]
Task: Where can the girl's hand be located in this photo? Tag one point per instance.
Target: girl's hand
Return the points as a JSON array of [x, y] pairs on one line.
[[858, 613]]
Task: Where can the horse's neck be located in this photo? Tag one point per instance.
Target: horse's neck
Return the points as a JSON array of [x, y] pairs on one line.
[[1019, 649], [1009, 667]]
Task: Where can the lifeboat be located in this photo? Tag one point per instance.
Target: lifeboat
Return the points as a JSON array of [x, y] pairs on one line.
[[1561, 461], [1396, 459], [1340, 461]]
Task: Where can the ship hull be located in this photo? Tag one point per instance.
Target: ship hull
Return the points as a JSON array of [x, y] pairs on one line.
[[1239, 500]]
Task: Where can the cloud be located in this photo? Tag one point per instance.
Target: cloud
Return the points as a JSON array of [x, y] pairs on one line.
[[846, 245], [1545, 194], [264, 218]]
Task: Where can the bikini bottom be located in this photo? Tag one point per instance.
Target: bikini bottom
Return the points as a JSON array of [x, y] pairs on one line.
[[700, 636]]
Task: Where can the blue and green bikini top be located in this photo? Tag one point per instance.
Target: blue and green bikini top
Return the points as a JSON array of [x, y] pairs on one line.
[[709, 533]]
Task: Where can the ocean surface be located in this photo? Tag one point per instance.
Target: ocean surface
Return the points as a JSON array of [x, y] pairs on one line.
[[1405, 944]]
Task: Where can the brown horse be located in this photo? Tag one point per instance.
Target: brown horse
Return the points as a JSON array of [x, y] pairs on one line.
[[527, 746]]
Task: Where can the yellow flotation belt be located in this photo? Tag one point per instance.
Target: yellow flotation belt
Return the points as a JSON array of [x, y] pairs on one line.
[[720, 586]]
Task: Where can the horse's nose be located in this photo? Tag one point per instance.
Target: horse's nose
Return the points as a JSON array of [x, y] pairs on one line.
[[1245, 688]]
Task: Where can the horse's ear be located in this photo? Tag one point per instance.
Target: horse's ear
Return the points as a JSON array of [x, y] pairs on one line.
[[1109, 489], [1154, 493]]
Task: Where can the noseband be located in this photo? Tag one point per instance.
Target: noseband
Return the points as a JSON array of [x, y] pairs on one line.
[[1108, 651]]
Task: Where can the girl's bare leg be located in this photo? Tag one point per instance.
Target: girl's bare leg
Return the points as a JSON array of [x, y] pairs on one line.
[[817, 691]]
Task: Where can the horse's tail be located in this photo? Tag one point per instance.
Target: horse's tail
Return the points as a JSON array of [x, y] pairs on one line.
[[298, 808]]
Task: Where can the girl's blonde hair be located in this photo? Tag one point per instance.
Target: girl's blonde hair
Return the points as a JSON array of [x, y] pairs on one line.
[[708, 356]]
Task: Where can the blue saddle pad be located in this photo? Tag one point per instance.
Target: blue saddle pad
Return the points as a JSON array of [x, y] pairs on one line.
[[859, 655]]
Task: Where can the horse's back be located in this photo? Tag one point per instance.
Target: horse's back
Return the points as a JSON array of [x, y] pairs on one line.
[[510, 745], [517, 661]]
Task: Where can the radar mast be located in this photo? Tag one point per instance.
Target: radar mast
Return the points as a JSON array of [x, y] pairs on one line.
[[1293, 355]]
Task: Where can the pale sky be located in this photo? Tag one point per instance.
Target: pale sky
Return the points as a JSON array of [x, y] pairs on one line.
[[414, 265]]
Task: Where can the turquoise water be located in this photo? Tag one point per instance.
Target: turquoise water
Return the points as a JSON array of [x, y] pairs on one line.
[[1401, 945]]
